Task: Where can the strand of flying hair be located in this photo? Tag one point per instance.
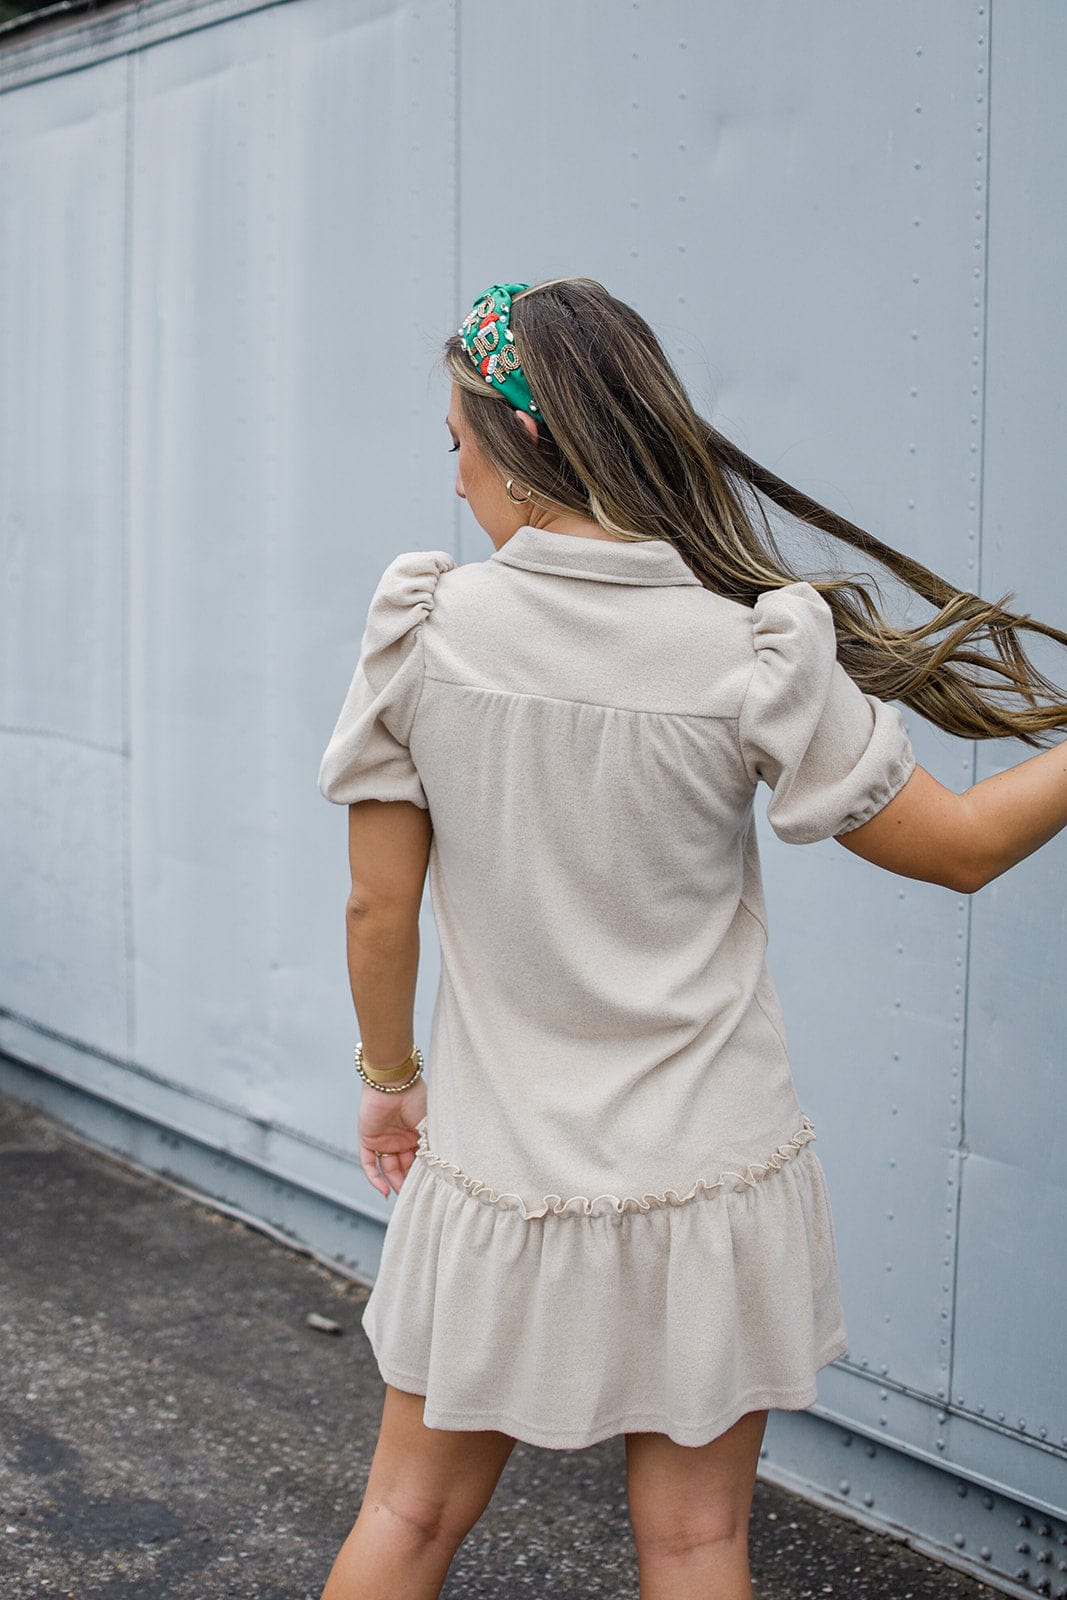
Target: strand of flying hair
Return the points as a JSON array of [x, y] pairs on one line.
[[899, 663]]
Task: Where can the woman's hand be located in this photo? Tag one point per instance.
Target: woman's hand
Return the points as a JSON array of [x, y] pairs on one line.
[[387, 1129]]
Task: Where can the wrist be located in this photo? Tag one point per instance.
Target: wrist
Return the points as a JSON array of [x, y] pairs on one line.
[[391, 1080], [402, 1069]]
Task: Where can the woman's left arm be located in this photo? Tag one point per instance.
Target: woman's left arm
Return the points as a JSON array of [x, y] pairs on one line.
[[389, 850], [964, 841]]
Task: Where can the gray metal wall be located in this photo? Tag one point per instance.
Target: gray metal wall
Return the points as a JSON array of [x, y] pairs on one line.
[[231, 242]]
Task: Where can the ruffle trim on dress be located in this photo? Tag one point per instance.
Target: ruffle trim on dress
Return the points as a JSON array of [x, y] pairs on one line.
[[609, 1204]]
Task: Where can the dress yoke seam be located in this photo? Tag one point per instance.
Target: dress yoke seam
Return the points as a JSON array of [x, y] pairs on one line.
[[599, 705]]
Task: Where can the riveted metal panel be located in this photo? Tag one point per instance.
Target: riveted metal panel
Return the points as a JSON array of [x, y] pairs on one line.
[[62, 556], [62, 299], [886, 1047], [63, 954], [286, 297], [1012, 1286], [1007, 1542], [223, 267]]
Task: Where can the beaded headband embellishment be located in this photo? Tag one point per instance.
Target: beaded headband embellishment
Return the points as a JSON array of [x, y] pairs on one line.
[[490, 344]]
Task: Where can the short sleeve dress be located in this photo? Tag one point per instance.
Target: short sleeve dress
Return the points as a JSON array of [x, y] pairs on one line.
[[615, 1221]]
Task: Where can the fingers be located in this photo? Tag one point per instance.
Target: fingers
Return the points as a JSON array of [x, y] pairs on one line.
[[394, 1168], [369, 1167], [385, 1171]]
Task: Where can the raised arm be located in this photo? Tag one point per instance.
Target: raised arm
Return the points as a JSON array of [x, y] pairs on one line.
[[964, 841]]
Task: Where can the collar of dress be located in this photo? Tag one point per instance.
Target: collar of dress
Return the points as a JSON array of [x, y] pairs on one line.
[[572, 555]]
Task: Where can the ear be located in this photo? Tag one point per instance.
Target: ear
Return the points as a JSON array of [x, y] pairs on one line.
[[529, 424]]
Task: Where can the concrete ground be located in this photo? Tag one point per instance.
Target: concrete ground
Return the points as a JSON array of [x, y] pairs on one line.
[[172, 1429]]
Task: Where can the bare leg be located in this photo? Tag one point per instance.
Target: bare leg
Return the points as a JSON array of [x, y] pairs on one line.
[[426, 1489], [690, 1508]]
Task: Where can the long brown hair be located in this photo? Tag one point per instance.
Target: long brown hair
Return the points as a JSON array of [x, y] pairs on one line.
[[621, 443]]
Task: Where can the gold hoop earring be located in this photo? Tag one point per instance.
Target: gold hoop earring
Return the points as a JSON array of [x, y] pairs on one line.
[[522, 499]]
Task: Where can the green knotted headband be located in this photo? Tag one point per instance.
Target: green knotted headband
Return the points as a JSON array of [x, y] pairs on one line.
[[490, 344]]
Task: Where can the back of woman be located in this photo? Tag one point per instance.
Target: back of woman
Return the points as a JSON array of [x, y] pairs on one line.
[[609, 1217]]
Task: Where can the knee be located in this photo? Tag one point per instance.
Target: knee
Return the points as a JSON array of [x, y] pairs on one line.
[[666, 1534], [422, 1520]]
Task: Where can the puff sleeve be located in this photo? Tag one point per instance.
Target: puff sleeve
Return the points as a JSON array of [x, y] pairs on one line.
[[833, 755], [367, 757]]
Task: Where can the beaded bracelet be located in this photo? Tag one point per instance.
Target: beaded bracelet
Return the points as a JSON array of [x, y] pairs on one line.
[[391, 1088]]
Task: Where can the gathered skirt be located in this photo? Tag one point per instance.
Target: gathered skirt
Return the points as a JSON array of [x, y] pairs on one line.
[[583, 1317]]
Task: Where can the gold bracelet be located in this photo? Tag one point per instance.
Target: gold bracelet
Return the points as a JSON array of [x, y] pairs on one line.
[[389, 1074], [391, 1088]]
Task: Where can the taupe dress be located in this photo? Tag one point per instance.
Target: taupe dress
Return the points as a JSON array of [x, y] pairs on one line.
[[616, 1221]]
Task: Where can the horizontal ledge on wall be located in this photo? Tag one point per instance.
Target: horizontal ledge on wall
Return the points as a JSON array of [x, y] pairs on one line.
[[339, 1237], [101, 1072], [1032, 1441], [77, 1076], [104, 35], [998, 1461], [1006, 1542]]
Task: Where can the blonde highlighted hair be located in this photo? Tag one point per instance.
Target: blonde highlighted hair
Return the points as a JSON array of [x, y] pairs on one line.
[[621, 443]]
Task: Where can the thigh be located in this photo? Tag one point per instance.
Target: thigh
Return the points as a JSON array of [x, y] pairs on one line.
[[433, 1474], [681, 1495]]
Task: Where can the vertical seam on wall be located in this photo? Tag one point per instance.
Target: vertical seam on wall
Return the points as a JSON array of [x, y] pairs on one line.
[[7, 187], [980, 306], [132, 58], [457, 208], [270, 550], [987, 119]]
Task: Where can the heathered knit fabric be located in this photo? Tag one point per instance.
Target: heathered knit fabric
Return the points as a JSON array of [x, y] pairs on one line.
[[616, 1221]]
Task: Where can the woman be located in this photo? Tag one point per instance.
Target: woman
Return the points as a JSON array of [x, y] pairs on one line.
[[610, 1218]]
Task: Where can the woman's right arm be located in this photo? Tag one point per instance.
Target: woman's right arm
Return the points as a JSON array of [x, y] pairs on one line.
[[964, 841]]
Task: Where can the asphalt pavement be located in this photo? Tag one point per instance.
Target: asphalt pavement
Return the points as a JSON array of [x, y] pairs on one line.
[[172, 1428]]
